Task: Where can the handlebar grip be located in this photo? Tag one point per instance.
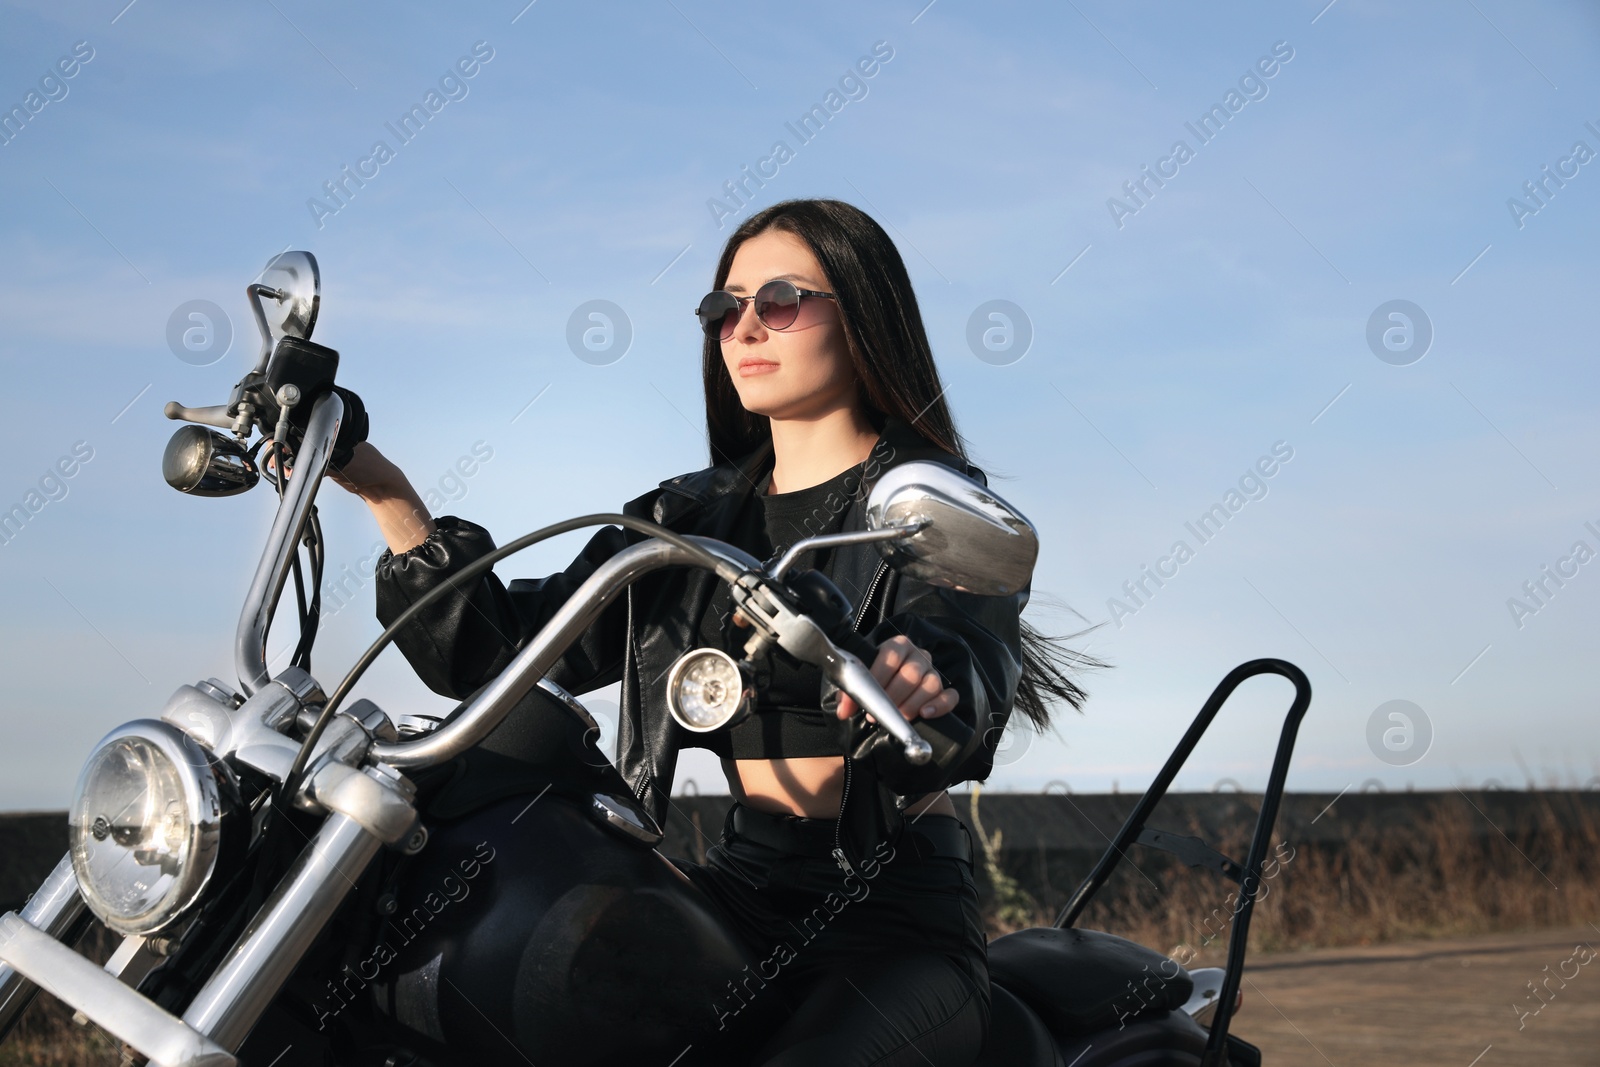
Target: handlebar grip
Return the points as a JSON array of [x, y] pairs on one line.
[[857, 645], [856, 679]]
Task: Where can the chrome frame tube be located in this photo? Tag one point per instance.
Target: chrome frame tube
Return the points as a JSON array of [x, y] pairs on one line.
[[483, 714], [278, 936], [52, 909], [106, 999], [311, 462]]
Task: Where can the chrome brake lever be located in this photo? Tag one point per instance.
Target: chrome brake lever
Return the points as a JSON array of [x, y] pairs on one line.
[[800, 636]]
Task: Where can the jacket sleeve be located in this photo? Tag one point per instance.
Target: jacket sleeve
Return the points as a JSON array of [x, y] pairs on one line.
[[976, 646], [466, 638]]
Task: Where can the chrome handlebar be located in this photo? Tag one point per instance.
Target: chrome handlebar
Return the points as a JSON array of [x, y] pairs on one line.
[[311, 462], [775, 621], [802, 638], [798, 634], [488, 708]]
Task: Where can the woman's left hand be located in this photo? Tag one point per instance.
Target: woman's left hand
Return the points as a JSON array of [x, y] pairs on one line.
[[907, 675]]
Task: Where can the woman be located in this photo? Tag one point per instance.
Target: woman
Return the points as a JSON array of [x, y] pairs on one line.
[[843, 866]]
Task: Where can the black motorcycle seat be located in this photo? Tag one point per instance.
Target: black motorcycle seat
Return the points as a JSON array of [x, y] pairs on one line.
[[1081, 981], [1017, 1037]]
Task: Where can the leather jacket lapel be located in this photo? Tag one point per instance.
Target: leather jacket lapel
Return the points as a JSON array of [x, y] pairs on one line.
[[707, 502], [704, 502]]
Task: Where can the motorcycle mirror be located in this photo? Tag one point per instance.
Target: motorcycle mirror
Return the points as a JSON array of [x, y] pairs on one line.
[[972, 541], [202, 462], [285, 298]]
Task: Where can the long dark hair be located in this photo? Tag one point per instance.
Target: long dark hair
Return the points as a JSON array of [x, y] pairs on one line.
[[894, 366]]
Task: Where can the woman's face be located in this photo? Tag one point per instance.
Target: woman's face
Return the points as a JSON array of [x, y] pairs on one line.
[[802, 371]]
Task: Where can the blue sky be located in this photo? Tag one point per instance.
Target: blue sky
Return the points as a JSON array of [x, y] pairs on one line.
[[1177, 337]]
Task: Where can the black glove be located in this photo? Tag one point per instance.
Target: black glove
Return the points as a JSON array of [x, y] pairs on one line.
[[311, 367], [950, 737], [352, 427]]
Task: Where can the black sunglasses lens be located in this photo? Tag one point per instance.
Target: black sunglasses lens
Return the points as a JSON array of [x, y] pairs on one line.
[[718, 312], [777, 305]]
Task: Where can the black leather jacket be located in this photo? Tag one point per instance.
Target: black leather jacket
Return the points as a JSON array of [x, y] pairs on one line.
[[462, 643]]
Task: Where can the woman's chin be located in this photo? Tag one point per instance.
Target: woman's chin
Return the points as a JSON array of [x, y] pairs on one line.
[[778, 400], [763, 400]]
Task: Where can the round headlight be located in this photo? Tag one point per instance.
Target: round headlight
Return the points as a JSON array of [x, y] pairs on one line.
[[145, 825], [706, 690]]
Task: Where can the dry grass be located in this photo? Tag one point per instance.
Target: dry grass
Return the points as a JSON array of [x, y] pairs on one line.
[[1441, 878], [46, 1036]]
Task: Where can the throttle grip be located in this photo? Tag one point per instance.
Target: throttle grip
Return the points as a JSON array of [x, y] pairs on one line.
[[857, 645], [855, 679], [312, 368]]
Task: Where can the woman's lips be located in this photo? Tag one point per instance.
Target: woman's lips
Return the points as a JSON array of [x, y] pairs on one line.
[[750, 366]]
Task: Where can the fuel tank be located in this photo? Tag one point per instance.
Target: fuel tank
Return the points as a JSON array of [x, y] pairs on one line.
[[528, 929], [539, 924]]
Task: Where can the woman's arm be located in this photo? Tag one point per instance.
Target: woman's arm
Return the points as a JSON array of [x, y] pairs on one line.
[[464, 639], [467, 638], [402, 517]]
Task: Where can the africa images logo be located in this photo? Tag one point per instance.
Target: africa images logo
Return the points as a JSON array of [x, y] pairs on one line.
[[1252, 87], [342, 188]]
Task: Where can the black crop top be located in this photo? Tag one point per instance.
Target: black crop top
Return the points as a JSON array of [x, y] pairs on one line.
[[788, 720]]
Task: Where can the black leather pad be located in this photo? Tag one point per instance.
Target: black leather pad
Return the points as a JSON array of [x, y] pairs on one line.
[[1080, 981]]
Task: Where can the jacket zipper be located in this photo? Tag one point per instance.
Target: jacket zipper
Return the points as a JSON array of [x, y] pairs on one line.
[[838, 847], [877, 579]]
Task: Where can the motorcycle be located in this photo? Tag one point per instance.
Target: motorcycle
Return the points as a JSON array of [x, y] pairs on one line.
[[290, 869]]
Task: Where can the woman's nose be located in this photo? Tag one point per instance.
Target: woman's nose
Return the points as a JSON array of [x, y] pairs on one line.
[[747, 322]]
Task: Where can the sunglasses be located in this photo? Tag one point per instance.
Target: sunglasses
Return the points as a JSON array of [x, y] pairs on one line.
[[777, 306]]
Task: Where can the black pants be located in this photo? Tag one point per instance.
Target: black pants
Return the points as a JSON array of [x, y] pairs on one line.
[[885, 967]]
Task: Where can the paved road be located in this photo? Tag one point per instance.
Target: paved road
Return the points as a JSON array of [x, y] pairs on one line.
[[1464, 1003]]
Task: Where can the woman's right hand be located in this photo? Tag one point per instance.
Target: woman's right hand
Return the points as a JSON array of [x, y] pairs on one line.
[[367, 472], [402, 516]]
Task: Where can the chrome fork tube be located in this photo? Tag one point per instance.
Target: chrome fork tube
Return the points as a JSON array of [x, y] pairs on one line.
[[52, 910], [277, 938], [311, 462]]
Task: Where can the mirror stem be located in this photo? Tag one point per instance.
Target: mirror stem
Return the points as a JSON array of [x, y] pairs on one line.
[[255, 291], [853, 537]]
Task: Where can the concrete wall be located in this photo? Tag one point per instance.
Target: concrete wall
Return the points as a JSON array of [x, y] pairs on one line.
[[1049, 842]]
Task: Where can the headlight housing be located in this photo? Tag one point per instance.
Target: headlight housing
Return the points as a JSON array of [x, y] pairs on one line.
[[706, 690], [145, 826]]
